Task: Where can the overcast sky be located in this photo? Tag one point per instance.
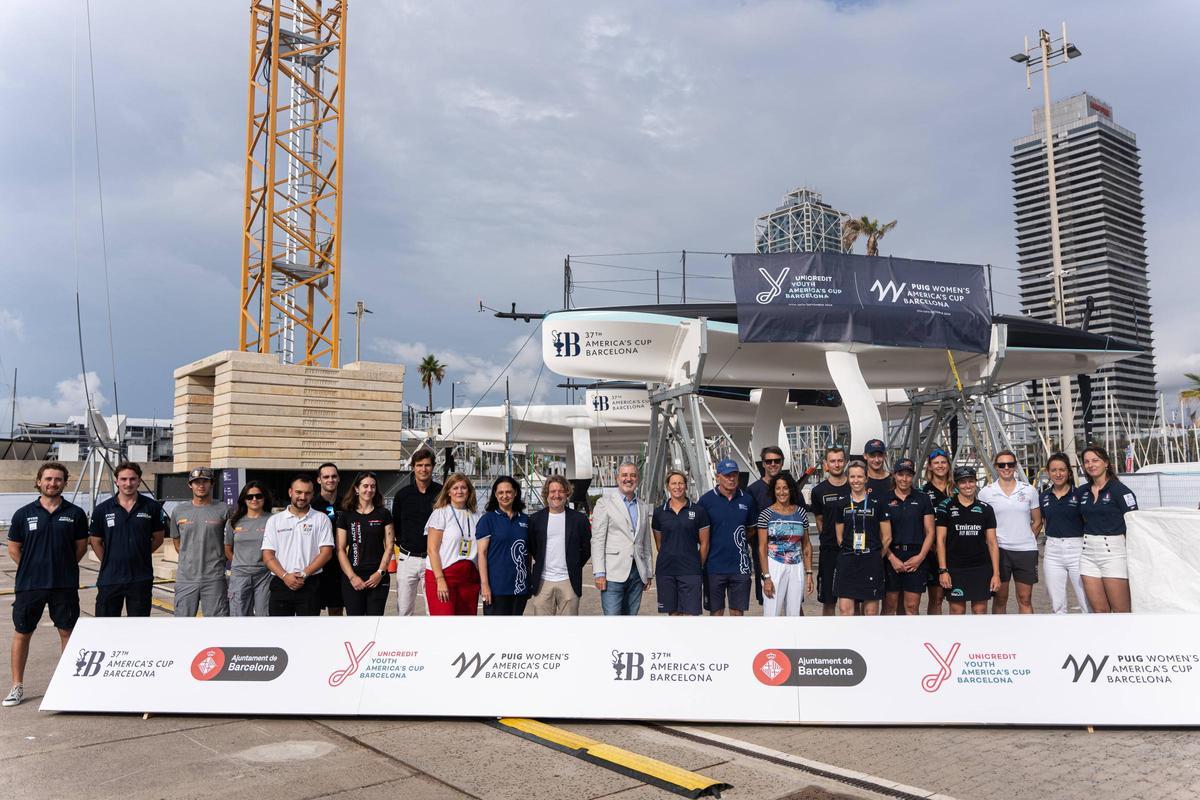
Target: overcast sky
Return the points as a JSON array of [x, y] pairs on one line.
[[485, 141]]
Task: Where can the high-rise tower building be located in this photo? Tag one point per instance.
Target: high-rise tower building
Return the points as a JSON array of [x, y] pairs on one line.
[[1103, 238], [803, 224]]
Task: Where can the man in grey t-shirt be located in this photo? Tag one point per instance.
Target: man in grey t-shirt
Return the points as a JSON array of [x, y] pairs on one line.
[[198, 532]]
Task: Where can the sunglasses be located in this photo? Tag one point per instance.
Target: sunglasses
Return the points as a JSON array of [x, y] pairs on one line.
[[255, 497], [1006, 465], [772, 460], [939, 452]]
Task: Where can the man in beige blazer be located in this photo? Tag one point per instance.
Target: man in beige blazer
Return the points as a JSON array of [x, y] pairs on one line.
[[622, 556]]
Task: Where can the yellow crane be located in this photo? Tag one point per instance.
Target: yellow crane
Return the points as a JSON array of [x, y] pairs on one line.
[[292, 232]]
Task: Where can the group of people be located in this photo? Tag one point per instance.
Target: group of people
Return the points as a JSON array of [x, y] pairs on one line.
[[882, 542]]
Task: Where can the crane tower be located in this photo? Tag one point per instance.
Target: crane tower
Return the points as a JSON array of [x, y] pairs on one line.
[[291, 236]]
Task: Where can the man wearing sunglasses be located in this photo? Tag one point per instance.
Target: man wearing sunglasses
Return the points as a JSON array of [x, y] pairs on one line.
[[1018, 520]]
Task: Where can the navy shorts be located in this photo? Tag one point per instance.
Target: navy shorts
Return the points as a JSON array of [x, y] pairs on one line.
[[859, 577], [679, 594], [29, 604], [905, 581], [826, 565], [970, 583], [736, 586]]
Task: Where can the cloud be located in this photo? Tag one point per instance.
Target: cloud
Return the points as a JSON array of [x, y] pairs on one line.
[[12, 325], [69, 400], [480, 378]]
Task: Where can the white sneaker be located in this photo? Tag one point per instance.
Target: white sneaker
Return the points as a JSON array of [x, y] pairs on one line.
[[15, 696]]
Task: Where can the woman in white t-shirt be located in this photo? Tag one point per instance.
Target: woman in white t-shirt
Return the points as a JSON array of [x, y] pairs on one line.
[[451, 577]]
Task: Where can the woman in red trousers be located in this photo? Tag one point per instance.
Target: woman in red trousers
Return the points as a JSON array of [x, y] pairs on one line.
[[451, 577]]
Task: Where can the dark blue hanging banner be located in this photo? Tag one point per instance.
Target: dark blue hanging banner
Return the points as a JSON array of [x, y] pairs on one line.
[[839, 297]]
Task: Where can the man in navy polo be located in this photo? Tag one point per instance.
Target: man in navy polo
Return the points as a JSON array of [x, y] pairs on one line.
[[732, 515], [46, 540], [126, 530]]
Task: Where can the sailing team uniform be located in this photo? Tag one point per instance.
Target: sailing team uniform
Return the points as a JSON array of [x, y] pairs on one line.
[[936, 498], [859, 574], [1064, 547], [907, 518], [827, 501], [967, 555], [1104, 553]]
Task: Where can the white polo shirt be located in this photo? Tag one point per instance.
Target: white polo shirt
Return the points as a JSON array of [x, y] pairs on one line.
[[297, 540], [1013, 529]]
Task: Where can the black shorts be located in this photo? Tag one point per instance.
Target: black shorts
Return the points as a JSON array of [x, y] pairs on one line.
[[679, 594], [1019, 564], [827, 557], [737, 586], [913, 582], [859, 577], [329, 588], [29, 604], [134, 598], [931, 567], [970, 583]]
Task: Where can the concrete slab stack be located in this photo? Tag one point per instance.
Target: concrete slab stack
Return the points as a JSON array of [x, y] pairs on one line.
[[250, 410]]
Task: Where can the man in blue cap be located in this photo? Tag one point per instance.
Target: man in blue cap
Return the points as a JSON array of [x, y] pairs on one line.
[[879, 480], [733, 516]]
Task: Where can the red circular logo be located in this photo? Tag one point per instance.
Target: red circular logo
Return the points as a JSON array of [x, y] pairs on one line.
[[772, 667], [207, 663]]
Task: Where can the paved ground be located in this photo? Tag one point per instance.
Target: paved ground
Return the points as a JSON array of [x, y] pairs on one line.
[[86, 756]]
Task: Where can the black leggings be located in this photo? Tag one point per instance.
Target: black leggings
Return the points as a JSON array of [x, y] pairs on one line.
[[506, 605], [368, 602]]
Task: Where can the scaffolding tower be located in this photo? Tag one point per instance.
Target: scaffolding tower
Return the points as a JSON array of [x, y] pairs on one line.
[[291, 242]]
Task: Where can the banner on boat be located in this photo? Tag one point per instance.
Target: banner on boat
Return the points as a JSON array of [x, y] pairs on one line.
[[840, 297], [1111, 669]]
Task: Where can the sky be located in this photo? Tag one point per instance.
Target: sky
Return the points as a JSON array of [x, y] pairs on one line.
[[484, 142]]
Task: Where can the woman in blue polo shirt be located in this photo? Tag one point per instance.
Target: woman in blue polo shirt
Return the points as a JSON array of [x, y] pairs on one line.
[[503, 535], [1103, 502], [1064, 534], [681, 530], [859, 574]]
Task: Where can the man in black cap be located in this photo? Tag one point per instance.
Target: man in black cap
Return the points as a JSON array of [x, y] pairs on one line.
[[879, 480], [968, 556], [198, 533]]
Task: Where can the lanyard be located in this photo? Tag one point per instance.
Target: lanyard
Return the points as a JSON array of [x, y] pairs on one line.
[[464, 534], [859, 542]]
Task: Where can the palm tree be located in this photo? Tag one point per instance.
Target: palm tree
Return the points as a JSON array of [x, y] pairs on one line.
[[1193, 391], [430, 370], [864, 226]]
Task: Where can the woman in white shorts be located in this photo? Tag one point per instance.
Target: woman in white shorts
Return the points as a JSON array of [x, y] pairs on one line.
[[1064, 535], [1103, 502]]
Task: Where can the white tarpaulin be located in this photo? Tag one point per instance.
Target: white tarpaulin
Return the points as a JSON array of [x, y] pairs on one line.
[[1164, 560], [1038, 670]]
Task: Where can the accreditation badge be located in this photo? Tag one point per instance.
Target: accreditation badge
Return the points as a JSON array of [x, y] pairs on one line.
[[860, 541], [464, 548]]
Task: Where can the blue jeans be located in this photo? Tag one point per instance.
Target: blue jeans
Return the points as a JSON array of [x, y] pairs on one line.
[[623, 598]]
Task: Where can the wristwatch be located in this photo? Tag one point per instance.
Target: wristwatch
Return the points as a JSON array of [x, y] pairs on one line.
[[766, 576], [382, 571], [943, 571], [303, 575]]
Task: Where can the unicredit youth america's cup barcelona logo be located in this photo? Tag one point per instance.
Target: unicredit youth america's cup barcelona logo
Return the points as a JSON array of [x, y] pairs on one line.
[[774, 282]]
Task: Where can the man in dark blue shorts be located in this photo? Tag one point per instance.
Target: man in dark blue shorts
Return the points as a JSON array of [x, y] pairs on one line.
[[733, 520], [46, 540]]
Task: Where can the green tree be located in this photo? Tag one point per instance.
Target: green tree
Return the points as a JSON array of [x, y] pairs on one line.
[[430, 370], [864, 226]]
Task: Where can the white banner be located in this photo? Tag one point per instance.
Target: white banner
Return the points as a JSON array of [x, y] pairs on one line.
[[1044, 670]]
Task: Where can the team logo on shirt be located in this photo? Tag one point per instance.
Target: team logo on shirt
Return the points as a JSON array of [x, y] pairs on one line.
[[239, 664]]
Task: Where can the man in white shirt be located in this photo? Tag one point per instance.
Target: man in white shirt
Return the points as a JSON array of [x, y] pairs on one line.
[[297, 543], [1018, 519]]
